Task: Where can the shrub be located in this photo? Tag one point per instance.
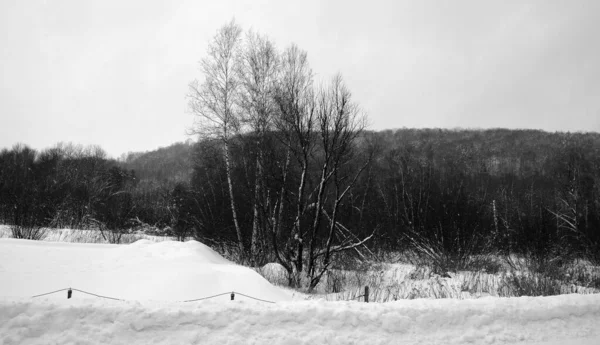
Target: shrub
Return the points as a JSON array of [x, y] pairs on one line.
[[473, 256], [28, 232], [530, 284]]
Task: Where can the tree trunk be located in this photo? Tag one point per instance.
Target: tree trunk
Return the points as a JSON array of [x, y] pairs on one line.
[[316, 223], [233, 208], [256, 224]]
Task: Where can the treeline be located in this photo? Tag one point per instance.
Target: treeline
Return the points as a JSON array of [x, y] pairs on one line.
[[64, 186], [528, 192], [71, 186]]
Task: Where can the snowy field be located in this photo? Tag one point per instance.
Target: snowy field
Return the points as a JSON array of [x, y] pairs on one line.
[[155, 278]]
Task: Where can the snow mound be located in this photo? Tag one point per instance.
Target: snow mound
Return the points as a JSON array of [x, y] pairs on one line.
[[167, 250], [144, 270], [566, 319], [275, 273]]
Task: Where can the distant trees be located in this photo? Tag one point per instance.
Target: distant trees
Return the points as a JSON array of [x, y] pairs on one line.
[[516, 191], [166, 165], [65, 186], [21, 185]]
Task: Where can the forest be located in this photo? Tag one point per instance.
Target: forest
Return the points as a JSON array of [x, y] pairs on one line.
[[285, 170]]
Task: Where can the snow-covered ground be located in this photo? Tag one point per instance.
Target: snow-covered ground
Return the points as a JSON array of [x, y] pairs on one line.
[[567, 319], [154, 278], [144, 270]]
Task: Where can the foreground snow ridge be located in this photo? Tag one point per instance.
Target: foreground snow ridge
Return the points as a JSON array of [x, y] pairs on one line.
[[567, 319], [153, 278]]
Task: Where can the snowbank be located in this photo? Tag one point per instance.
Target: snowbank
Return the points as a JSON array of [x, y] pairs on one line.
[[144, 270], [567, 319], [155, 278]]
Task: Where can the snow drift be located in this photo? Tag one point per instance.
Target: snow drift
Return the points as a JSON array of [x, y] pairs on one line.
[[144, 270]]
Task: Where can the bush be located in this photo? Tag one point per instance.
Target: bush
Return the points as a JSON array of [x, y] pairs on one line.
[[473, 256], [530, 284], [28, 232], [549, 274]]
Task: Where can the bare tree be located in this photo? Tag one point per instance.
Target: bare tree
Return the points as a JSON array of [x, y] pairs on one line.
[[214, 100], [320, 131], [340, 123], [296, 121], [257, 71]]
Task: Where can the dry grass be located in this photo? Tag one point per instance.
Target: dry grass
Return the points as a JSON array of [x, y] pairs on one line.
[[390, 282]]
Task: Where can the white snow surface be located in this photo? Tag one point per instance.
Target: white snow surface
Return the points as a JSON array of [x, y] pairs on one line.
[[144, 270], [154, 279], [567, 319]]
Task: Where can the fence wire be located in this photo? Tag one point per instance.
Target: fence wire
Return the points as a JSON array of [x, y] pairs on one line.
[[119, 299]]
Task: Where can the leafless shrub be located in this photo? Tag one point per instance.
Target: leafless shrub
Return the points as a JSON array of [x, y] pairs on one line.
[[469, 257], [28, 232], [529, 284]]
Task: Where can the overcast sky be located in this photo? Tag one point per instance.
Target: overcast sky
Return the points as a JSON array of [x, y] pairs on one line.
[[115, 73]]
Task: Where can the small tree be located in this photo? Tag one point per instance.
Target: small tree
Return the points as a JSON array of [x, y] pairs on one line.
[[182, 212]]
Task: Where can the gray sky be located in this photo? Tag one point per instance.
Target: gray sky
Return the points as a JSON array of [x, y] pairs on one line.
[[115, 73]]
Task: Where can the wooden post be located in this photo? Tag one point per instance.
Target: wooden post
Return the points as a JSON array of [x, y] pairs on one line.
[[366, 294], [232, 296]]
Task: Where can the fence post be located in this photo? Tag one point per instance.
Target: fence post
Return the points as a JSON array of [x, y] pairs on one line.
[[69, 293], [366, 294], [232, 295]]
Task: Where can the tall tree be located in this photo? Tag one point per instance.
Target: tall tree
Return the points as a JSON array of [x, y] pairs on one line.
[[258, 72], [296, 121], [213, 101], [340, 122]]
